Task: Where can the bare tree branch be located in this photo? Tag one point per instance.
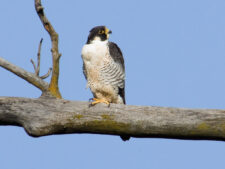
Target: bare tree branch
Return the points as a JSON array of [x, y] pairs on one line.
[[39, 58], [37, 68], [47, 74], [34, 65], [47, 89], [29, 77], [53, 87], [45, 116]]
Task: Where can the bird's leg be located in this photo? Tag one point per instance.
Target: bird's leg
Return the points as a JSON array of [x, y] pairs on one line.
[[96, 101]]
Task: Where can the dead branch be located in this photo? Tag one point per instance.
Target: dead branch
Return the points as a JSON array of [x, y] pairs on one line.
[[37, 68], [44, 116], [29, 77], [53, 87], [47, 74], [47, 89]]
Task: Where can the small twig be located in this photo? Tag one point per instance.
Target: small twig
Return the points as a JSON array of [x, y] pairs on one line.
[[33, 65], [47, 74], [38, 58], [37, 68]]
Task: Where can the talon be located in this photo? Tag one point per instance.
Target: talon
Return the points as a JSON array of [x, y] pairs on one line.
[[96, 101]]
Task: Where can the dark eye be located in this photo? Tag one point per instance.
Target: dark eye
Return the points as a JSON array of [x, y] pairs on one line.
[[101, 32]]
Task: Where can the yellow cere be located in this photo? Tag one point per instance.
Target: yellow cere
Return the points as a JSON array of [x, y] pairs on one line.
[[106, 30]]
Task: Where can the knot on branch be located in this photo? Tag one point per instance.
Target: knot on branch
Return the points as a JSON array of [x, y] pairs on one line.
[[39, 8]]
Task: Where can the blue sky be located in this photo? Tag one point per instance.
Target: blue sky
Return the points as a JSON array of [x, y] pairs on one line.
[[174, 56]]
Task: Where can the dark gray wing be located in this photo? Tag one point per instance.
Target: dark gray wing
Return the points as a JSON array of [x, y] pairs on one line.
[[117, 56]]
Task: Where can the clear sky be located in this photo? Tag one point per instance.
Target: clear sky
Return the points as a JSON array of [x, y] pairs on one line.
[[174, 56]]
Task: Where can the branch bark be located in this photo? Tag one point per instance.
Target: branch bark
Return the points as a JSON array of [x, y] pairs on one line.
[[53, 87], [45, 116], [29, 77]]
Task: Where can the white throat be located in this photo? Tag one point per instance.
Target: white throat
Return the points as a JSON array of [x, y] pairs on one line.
[[98, 40], [95, 51]]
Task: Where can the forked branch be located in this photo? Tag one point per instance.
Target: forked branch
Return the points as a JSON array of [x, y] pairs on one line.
[[37, 68], [36, 80]]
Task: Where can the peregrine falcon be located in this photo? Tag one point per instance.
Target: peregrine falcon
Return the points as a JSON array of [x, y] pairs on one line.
[[103, 68]]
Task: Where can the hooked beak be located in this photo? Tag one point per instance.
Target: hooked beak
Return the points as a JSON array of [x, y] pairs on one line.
[[107, 31]]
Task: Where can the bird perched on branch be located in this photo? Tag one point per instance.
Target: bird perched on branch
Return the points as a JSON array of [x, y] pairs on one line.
[[103, 68]]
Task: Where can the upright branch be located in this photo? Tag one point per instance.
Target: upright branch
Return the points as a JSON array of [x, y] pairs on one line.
[[53, 87], [37, 68]]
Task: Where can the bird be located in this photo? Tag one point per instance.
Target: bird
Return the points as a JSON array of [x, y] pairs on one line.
[[104, 69]]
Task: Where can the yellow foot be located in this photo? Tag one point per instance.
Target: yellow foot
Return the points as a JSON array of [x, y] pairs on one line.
[[96, 101]]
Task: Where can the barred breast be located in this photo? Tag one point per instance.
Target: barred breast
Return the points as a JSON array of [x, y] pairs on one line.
[[104, 75]]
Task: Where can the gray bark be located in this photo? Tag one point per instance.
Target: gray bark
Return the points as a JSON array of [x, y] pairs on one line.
[[29, 77], [47, 116]]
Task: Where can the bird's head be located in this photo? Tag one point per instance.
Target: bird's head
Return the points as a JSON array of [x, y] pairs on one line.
[[100, 33]]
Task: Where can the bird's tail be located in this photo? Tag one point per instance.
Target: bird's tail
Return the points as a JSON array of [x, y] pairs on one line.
[[125, 137]]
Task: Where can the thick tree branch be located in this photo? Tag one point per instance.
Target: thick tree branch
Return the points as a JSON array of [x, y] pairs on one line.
[[29, 77], [45, 116], [53, 87]]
